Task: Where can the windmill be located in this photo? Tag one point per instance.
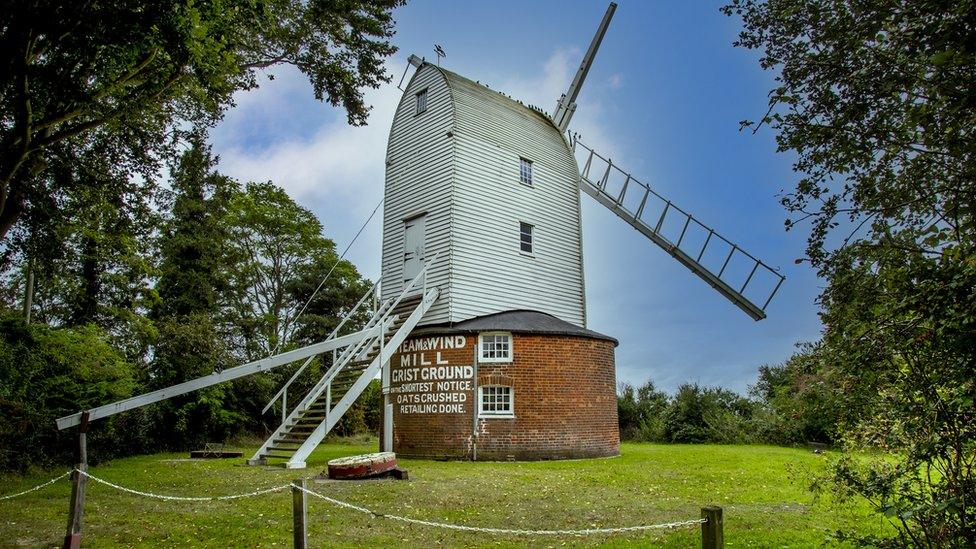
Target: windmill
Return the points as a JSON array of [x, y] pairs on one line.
[[477, 325]]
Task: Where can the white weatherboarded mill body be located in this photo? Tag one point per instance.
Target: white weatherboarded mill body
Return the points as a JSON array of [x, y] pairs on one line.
[[455, 188]]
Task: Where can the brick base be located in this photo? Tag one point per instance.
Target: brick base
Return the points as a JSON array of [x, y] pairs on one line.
[[564, 393]]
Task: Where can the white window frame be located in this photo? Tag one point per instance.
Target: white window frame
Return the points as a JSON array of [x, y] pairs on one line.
[[510, 414], [531, 233], [525, 171], [481, 347], [422, 93]]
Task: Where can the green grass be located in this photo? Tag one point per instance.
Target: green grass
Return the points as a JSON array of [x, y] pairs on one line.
[[763, 490]]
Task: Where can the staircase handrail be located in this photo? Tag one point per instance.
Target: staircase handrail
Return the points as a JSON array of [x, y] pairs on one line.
[[413, 283], [283, 392], [393, 303], [380, 320], [297, 460]]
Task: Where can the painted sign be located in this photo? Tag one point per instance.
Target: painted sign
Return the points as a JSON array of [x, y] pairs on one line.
[[429, 376]]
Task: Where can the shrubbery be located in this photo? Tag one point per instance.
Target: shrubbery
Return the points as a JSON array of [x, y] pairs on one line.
[[52, 372], [129, 298], [788, 405]]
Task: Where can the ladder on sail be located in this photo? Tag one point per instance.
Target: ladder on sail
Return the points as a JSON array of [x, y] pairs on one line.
[[739, 276], [352, 369]]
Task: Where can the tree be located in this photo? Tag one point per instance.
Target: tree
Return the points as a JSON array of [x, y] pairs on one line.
[[706, 414], [194, 244], [51, 372], [90, 251], [875, 99], [135, 70], [287, 287], [272, 237], [640, 412], [193, 276], [807, 399], [331, 288]]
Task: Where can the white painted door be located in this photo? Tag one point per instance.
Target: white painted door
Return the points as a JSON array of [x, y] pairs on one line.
[[413, 247]]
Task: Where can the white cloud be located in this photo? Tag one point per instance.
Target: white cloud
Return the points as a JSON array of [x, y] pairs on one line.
[[281, 133], [324, 159]]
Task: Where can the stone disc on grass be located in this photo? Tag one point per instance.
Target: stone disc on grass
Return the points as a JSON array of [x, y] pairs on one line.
[[363, 466]]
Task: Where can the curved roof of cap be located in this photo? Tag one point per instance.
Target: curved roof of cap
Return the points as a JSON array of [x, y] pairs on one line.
[[461, 83], [516, 321]]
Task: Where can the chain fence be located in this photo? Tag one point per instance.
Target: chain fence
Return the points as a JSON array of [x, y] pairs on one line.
[[184, 498], [508, 531], [352, 507], [36, 488]]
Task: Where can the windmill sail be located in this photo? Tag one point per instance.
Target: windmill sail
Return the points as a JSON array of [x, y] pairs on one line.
[[566, 105], [742, 278]]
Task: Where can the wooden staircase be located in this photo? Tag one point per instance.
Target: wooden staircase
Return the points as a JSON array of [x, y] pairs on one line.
[[353, 367], [298, 430]]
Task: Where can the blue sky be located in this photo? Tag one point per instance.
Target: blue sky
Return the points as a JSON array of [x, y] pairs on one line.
[[664, 99]]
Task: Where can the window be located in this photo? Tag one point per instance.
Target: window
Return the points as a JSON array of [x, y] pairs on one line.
[[525, 171], [422, 101], [495, 400], [495, 347], [525, 237]]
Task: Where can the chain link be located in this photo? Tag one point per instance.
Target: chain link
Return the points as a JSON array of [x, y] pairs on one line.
[[586, 531], [38, 487], [183, 498]]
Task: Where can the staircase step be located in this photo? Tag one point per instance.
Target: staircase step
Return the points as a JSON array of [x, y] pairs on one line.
[[345, 381], [289, 440], [278, 456], [299, 432]]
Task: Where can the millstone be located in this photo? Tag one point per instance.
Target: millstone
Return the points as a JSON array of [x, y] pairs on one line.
[[362, 466]]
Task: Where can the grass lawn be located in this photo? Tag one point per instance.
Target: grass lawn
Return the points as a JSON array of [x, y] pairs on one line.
[[762, 489]]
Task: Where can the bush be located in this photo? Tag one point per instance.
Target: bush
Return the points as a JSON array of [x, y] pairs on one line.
[[801, 401], [365, 415], [702, 414], [640, 412], [52, 372], [693, 415], [190, 346]]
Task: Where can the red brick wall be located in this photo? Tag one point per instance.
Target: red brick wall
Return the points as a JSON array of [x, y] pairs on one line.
[[432, 434], [565, 403]]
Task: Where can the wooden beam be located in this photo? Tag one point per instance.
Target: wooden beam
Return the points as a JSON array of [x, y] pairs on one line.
[[713, 536], [261, 365], [79, 482], [299, 506]]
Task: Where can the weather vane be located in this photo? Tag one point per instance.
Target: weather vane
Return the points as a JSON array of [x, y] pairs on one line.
[[440, 53]]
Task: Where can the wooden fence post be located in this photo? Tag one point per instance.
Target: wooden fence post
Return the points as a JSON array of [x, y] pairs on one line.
[[76, 512], [299, 510], [712, 535]]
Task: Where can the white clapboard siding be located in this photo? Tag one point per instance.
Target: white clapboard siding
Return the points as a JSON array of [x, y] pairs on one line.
[[419, 171], [469, 186]]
